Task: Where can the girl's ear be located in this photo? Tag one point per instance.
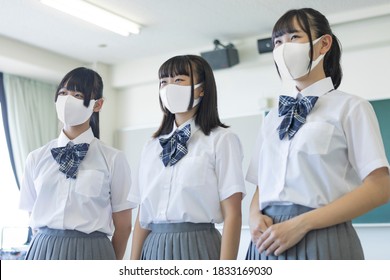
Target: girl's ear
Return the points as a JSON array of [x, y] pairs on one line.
[[98, 105], [200, 89], [326, 43]]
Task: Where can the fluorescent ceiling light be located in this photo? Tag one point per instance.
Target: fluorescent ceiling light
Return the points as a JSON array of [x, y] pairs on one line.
[[95, 15]]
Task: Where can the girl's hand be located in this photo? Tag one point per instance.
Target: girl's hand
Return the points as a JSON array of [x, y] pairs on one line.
[[258, 223], [279, 237]]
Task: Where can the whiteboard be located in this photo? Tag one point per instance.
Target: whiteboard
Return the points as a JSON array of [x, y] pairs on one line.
[[131, 142]]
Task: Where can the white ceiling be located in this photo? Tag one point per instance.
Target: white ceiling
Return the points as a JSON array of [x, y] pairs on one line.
[[168, 25]]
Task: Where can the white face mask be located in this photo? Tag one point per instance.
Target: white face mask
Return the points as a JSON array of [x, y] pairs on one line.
[[71, 111], [176, 98], [293, 59]]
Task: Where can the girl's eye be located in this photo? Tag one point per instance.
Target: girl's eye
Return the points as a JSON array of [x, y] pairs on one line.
[[178, 80], [79, 96], [277, 42], [163, 83], [294, 37], [63, 93]]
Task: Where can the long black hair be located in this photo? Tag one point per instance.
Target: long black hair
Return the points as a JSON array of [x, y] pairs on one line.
[[313, 23], [207, 114], [90, 84]]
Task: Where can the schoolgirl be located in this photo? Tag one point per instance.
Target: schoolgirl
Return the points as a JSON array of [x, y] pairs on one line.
[[319, 160], [190, 174], [75, 187]]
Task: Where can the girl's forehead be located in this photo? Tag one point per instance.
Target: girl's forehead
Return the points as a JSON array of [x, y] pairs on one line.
[[179, 75], [173, 72], [291, 26], [69, 89]]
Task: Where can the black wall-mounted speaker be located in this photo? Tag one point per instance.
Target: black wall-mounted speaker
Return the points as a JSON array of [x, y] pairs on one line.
[[264, 45], [221, 58]]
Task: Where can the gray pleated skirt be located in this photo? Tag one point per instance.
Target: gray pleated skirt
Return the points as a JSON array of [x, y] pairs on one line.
[[339, 242], [182, 241], [53, 244]]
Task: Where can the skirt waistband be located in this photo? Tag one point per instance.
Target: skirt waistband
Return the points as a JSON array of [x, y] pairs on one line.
[[181, 227], [69, 233], [290, 210]]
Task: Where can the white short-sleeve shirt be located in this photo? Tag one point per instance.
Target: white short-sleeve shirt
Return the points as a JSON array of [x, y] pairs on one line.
[[193, 188], [86, 203], [330, 155]]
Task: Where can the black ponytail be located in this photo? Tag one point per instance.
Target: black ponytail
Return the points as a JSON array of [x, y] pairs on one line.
[[332, 65]]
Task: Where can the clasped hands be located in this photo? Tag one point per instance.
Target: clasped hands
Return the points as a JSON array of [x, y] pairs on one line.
[[274, 238]]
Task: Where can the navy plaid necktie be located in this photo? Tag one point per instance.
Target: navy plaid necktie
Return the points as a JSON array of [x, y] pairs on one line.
[[69, 158], [175, 147], [295, 112]]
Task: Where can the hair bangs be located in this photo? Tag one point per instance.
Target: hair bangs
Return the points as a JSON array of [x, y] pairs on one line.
[[286, 23], [178, 65], [75, 83]]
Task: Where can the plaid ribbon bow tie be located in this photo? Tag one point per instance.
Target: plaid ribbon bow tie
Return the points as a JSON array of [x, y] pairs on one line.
[[175, 147], [295, 112], [70, 157]]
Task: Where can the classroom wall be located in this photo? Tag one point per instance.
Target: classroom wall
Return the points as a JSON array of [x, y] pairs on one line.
[[243, 88], [131, 88]]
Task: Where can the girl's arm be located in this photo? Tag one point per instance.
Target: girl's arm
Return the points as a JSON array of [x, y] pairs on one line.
[[258, 223], [374, 192], [139, 237], [122, 224], [231, 211]]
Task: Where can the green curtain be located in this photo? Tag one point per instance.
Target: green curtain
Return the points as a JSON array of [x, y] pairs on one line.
[[32, 116]]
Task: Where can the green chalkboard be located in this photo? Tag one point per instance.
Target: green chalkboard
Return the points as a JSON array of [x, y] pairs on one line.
[[382, 110]]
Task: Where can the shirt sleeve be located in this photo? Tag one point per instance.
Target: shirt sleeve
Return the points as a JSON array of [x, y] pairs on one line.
[[365, 146], [28, 193], [121, 184], [229, 156]]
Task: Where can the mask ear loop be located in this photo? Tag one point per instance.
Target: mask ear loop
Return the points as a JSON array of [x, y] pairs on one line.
[[312, 43]]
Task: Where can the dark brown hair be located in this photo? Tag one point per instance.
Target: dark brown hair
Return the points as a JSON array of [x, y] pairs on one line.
[[207, 114], [314, 23], [90, 84]]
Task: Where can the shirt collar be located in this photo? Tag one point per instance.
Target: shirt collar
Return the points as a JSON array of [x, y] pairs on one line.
[[85, 137], [319, 88], [191, 121]]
